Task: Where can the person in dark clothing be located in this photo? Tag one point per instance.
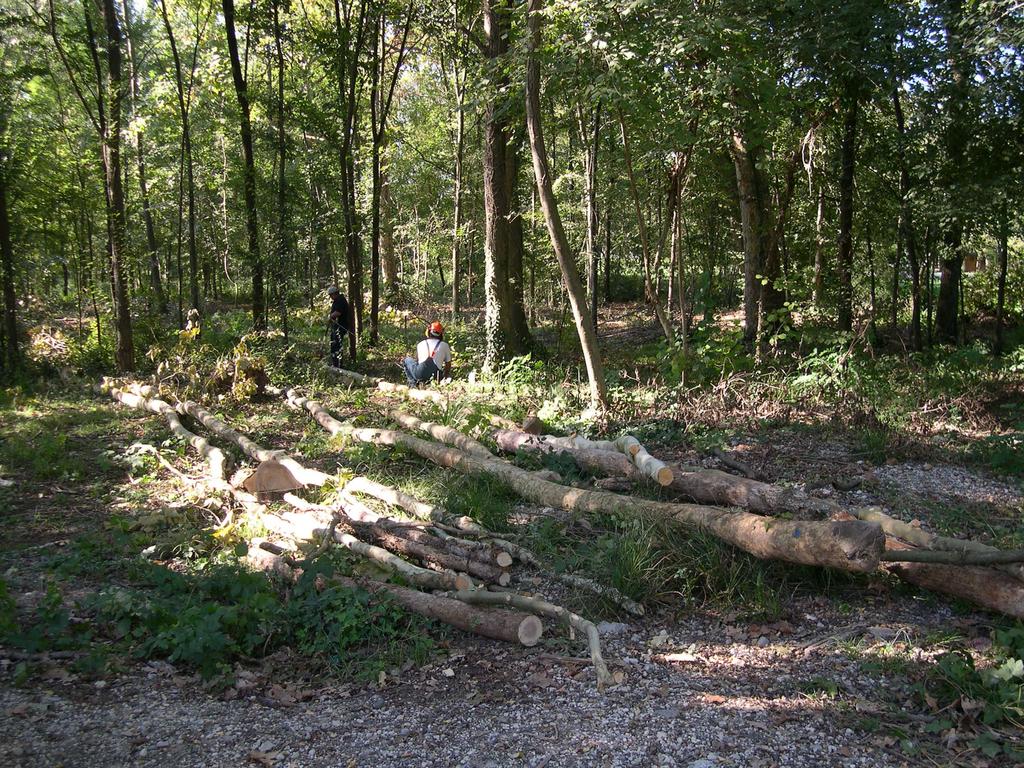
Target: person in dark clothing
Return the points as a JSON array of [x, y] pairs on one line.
[[337, 323]]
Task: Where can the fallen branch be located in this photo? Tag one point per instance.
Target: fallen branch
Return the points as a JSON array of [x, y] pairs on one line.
[[251, 449], [508, 626], [735, 464], [986, 587], [428, 553], [420, 577], [608, 592], [216, 461], [963, 557], [395, 498], [957, 547], [533, 605], [442, 433], [351, 377]]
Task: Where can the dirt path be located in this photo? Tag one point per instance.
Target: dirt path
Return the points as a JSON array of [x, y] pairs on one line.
[[697, 692]]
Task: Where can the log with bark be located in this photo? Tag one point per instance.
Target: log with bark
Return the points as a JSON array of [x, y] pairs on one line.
[[216, 461], [507, 626], [961, 551], [405, 543], [251, 449], [986, 587], [848, 545], [440, 432], [711, 486], [395, 498], [420, 577]]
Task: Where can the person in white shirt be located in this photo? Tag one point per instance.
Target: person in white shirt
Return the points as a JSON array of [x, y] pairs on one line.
[[433, 358]]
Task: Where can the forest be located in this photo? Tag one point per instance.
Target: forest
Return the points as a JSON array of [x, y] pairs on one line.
[[730, 446]]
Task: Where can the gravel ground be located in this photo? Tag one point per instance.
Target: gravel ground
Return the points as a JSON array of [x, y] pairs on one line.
[[699, 692]]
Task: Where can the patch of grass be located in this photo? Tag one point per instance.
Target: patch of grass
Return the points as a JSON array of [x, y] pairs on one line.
[[820, 688]]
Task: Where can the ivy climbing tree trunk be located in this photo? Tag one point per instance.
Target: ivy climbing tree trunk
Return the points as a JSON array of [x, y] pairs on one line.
[[541, 171]]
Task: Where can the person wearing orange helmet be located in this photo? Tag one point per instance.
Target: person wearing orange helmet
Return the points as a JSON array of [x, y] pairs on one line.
[[433, 358]]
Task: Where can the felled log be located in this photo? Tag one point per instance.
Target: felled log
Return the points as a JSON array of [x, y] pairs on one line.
[[251, 449], [428, 553], [412, 393], [483, 551], [420, 577], [960, 550], [507, 626], [216, 461], [557, 612], [711, 486], [351, 377], [653, 468], [986, 587], [395, 498], [440, 432], [847, 545]]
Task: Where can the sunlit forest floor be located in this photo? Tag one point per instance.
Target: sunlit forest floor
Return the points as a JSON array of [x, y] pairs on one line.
[[134, 633]]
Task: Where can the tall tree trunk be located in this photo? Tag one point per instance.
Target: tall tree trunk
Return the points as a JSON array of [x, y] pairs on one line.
[[259, 310], [955, 143], [645, 245], [156, 284], [751, 201], [906, 225], [520, 338], [283, 225], [348, 75], [459, 76], [12, 354], [590, 173], [608, 247], [848, 153], [388, 260], [124, 352], [818, 296], [184, 108], [1004, 236], [574, 288], [496, 203], [381, 94]]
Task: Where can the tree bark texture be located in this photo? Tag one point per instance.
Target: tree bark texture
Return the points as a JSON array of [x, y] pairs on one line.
[[259, 308], [585, 327], [508, 626]]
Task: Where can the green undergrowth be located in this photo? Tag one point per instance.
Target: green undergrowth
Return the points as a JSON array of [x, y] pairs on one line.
[[974, 699], [211, 613]]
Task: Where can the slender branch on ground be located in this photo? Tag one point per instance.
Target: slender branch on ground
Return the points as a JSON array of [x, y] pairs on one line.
[[533, 605]]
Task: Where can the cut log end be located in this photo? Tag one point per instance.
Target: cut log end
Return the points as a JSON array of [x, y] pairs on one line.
[[504, 579], [503, 559], [665, 476], [530, 630], [462, 581]]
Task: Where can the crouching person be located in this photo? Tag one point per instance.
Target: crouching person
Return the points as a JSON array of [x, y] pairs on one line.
[[433, 358]]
